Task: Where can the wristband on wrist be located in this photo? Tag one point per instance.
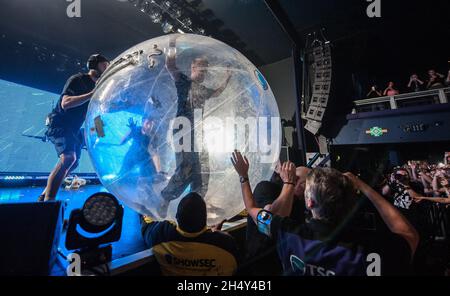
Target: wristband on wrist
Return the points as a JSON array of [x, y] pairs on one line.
[[289, 183], [243, 179]]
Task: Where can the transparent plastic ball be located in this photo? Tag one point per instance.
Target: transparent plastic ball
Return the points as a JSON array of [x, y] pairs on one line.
[[166, 116]]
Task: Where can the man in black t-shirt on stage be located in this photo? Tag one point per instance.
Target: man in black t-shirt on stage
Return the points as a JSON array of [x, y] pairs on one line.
[[66, 119]]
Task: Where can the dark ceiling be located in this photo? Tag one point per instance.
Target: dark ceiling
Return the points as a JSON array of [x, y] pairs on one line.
[[38, 31], [41, 46]]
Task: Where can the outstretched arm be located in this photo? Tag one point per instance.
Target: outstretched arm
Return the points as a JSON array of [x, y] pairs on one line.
[[224, 85], [171, 58], [125, 138], [443, 200], [241, 166], [132, 125], [410, 82], [282, 206], [69, 102], [395, 221]]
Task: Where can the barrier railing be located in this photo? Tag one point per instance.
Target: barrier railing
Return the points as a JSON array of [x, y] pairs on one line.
[[427, 97]]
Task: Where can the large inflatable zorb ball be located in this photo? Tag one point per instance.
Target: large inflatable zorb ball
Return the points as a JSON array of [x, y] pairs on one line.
[[165, 117]]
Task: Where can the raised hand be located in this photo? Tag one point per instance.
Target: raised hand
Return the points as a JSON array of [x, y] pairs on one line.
[[240, 163], [353, 179], [218, 227], [131, 123], [287, 172]]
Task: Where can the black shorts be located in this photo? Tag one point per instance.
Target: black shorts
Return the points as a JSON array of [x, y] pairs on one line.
[[68, 143]]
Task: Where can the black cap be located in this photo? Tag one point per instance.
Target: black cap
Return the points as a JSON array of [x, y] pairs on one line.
[[265, 193], [94, 60], [191, 213]]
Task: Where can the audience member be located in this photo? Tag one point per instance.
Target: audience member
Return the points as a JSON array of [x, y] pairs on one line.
[[441, 200], [415, 84], [435, 80], [266, 195], [374, 92], [390, 90], [329, 243], [305, 222]]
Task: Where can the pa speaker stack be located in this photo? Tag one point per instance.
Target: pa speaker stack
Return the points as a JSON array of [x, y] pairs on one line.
[[321, 86], [29, 237]]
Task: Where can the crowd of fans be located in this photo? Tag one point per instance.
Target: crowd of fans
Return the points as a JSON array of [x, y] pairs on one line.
[[434, 80], [424, 180], [308, 222]]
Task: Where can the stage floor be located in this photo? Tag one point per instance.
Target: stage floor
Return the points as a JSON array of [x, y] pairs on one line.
[[130, 242]]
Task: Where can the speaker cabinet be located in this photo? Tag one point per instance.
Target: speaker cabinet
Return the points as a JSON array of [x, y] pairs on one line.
[[29, 235]]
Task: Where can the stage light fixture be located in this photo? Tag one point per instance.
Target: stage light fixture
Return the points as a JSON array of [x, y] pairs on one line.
[[156, 16], [145, 7], [176, 13], [98, 222], [167, 27], [136, 3], [173, 15], [100, 211], [187, 22]]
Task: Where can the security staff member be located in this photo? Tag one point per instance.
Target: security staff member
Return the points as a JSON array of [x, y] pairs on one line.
[[66, 119], [190, 248]]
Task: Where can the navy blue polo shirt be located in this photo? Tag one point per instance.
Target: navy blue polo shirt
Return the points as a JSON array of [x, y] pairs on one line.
[[315, 248]]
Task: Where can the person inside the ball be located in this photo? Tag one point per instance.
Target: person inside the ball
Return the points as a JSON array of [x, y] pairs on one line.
[[192, 168], [142, 152]]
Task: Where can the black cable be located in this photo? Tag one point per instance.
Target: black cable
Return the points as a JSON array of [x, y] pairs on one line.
[[60, 253]]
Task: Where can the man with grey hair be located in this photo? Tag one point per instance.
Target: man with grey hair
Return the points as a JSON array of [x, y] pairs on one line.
[[329, 195]]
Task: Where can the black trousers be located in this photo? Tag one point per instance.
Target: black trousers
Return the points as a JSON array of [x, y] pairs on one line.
[[192, 169]]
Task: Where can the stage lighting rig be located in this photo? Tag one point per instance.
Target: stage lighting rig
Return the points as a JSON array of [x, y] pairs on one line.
[[191, 16], [167, 27], [99, 222], [174, 16], [156, 16]]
